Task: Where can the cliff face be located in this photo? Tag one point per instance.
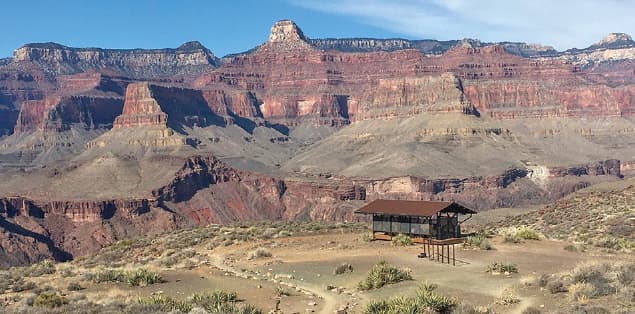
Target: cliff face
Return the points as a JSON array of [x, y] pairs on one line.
[[294, 82], [90, 100], [486, 125], [189, 58], [426, 46]]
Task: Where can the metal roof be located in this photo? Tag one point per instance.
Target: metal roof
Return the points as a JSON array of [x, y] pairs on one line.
[[412, 208]]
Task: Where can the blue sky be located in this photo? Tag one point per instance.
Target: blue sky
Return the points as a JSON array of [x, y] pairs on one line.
[[237, 25]]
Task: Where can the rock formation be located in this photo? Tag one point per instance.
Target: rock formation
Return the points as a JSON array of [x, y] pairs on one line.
[[191, 57], [98, 144]]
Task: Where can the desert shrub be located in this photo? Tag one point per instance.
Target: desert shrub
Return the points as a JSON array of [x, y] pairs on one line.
[[5, 281], [220, 302], [382, 274], [499, 267], [49, 299], [628, 294], [343, 268], [580, 291], [427, 296], [478, 241], [168, 261], [109, 275], [401, 240], [284, 233], [595, 275], [140, 277], [426, 300], [556, 286], [143, 277], [625, 274], [67, 272], [259, 253], [44, 267], [216, 296], [507, 298], [517, 234], [166, 303], [282, 292], [22, 285], [378, 307], [74, 286], [366, 237], [571, 248], [615, 243]]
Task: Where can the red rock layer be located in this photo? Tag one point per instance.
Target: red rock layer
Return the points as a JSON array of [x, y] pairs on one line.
[[140, 108], [300, 83]]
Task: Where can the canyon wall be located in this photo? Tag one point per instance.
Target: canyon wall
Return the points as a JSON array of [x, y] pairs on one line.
[[191, 57]]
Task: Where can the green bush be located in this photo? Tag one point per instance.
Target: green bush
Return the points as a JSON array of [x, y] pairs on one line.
[[478, 241], [498, 267], [216, 302], [382, 274], [44, 267], [426, 300], [49, 299], [166, 303], [517, 234], [140, 277], [143, 277], [110, 275], [401, 240]]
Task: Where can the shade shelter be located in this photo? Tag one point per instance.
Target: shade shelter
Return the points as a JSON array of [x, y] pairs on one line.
[[418, 219], [435, 225]]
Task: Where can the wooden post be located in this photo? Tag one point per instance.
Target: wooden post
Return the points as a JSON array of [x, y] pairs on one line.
[[437, 245], [453, 256], [425, 251]]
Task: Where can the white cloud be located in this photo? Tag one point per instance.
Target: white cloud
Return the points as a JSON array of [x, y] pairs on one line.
[[561, 23]]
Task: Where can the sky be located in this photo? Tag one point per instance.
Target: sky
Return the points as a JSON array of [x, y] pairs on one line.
[[238, 25]]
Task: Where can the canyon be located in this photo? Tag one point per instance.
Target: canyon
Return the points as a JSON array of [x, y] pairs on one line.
[[99, 145]]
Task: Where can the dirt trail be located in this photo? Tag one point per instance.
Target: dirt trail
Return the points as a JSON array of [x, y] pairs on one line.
[[331, 302]]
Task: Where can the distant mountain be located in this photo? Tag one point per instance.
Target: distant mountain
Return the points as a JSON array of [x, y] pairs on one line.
[[189, 58]]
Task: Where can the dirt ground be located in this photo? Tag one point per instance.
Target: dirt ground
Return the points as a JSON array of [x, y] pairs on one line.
[[299, 276], [303, 267]]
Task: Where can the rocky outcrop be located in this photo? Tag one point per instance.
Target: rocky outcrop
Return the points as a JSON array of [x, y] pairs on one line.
[[86, 100], [509, 189], [150, 104], [59, 113], [77, 211], [140, 108], [426, 46], [610, 167], [189, 58], [61, 230]]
